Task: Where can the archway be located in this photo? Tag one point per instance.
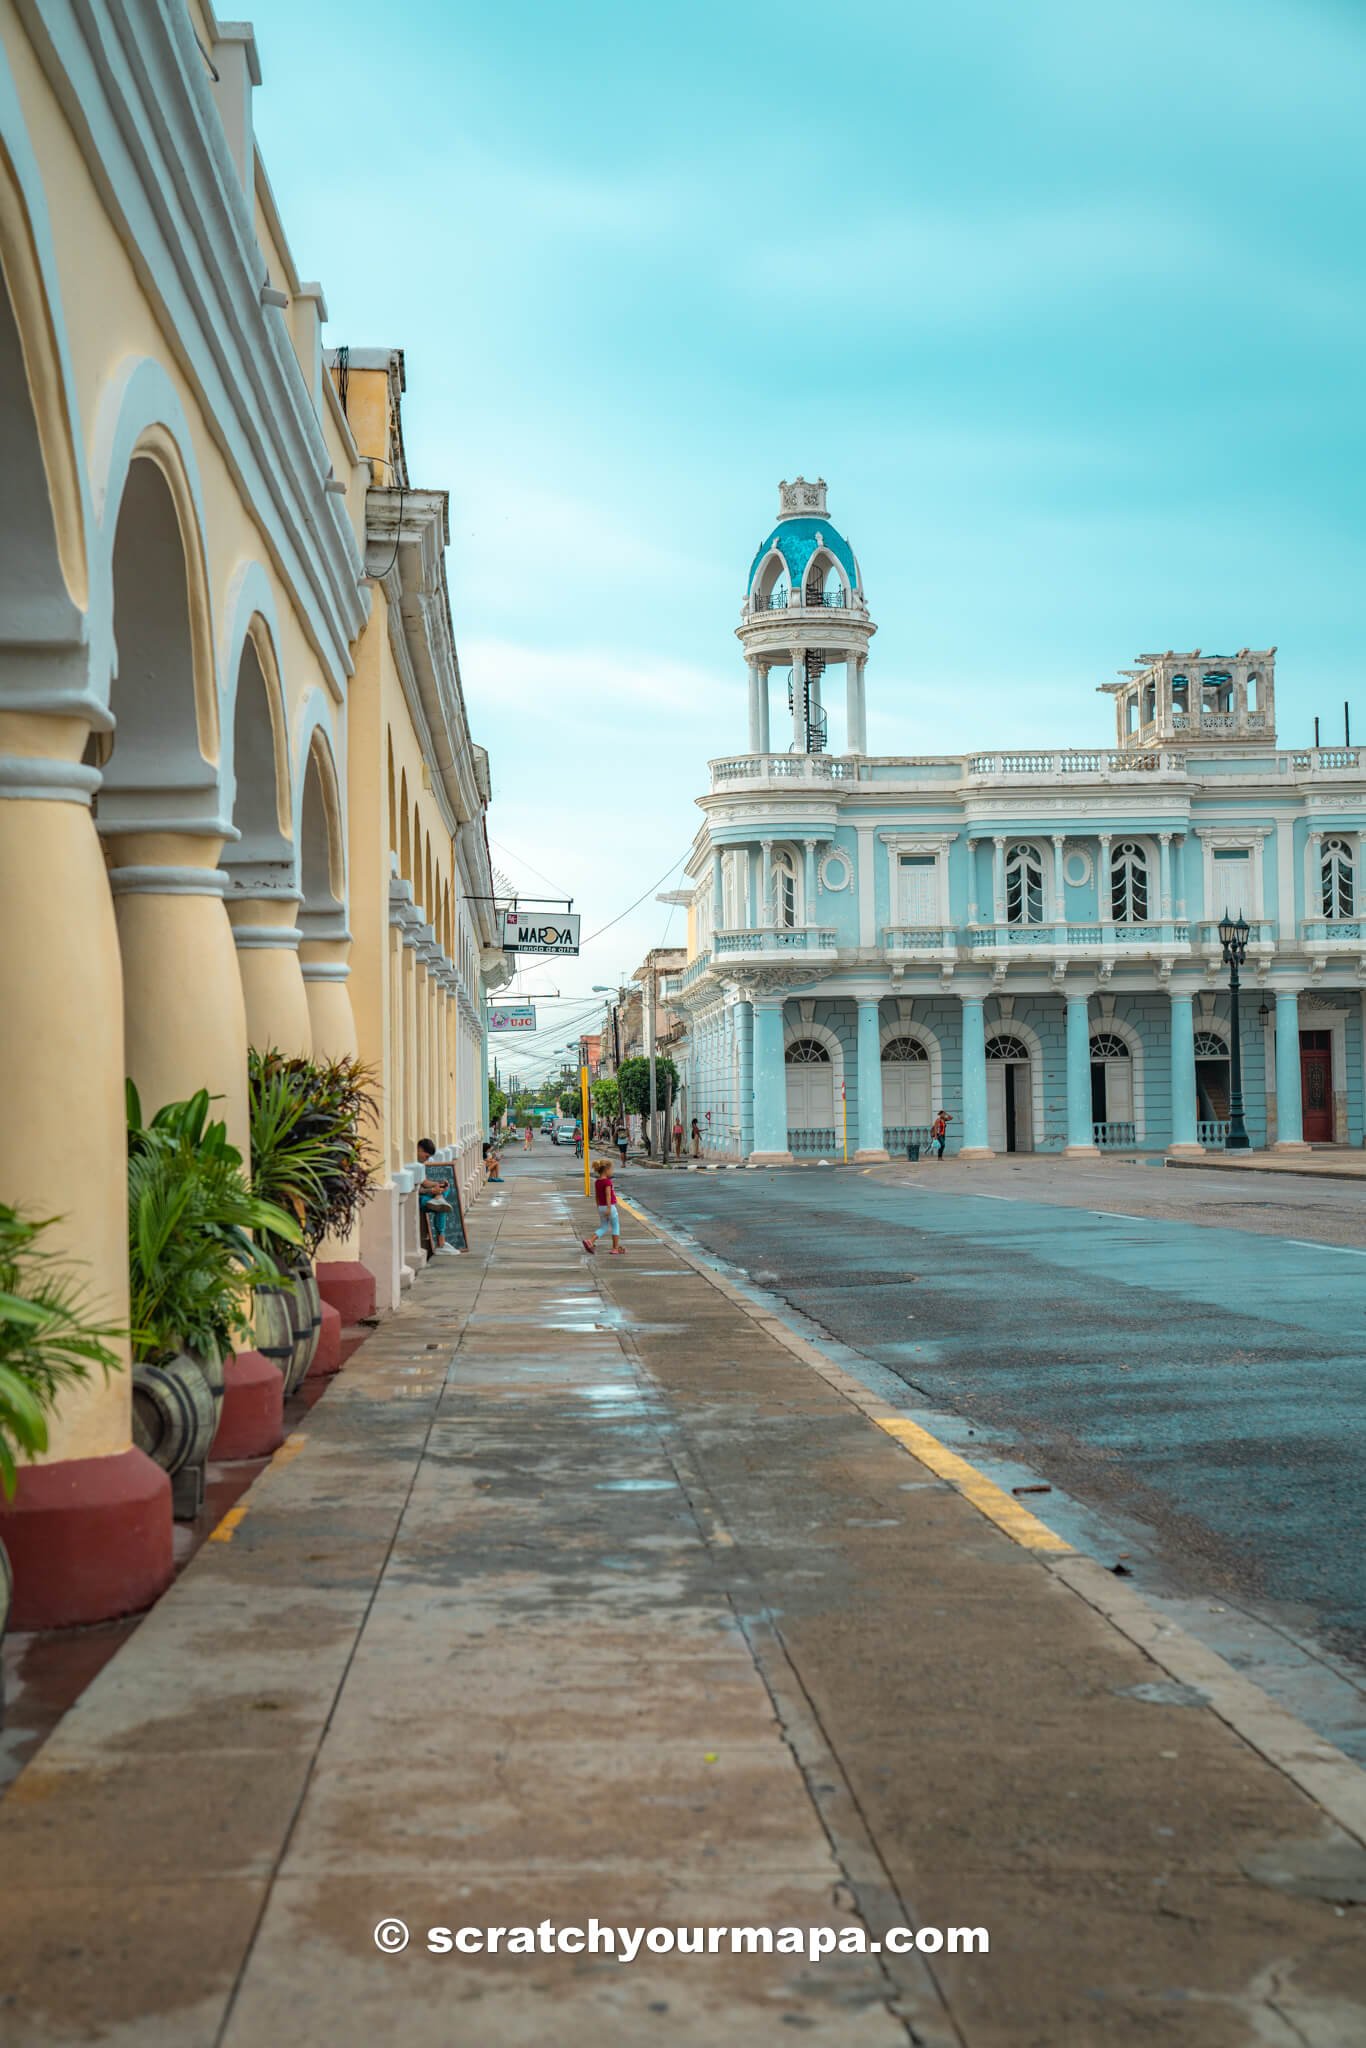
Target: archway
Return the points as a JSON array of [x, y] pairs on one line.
[[810, 1097], [907, 1090], [1010, 1122]]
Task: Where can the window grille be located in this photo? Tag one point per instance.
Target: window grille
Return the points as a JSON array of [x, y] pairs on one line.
[[1003, 1047], [903, 1052], [1129, 884], [1108, 1045], [1209, 1046], [1024, 886], [1338, 879], [807, 1052]]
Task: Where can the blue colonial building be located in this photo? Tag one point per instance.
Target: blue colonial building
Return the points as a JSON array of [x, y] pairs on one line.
[[1028, 939]]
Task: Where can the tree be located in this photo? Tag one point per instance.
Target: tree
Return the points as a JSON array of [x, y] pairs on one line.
[[633, 1080], [569, 1102], [498, 1104], [606, 1098]]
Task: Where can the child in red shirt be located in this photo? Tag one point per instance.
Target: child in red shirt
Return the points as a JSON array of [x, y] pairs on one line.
[[605, 1195]]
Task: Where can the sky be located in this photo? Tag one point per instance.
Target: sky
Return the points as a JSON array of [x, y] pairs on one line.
[[1065, 302]]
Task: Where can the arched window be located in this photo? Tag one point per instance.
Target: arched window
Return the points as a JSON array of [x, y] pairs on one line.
[[1108, 1045], [1337, 874], [1004, 1047], [824, 585], [807, 1052], [1181, 699], [783, 889], [1210, 1046], [904, 1052], [1129, 884], [1024, 886], [1217, 692]]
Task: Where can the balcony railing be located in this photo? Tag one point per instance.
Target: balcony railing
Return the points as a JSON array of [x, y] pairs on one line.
[[777, 939], [1114, 1136], [834, 600], [694, 970], [898, 1138], [785, 768], [810, 1144], [1065, 767], [1095, 937], [1334, 931], [916, 938], [1212, 1133]]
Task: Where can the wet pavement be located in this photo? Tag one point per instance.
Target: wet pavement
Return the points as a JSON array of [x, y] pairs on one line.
[[585, 1592], [1181, 1351]]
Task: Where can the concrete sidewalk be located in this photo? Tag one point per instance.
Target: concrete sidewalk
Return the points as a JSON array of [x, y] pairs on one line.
[[585, 1593]]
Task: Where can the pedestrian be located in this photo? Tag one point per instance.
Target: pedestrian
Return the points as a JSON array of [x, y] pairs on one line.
[[678, 1137], [609, 1217], [432, 1204], [696, 1139], [526, 1136], [621, 1142], [939, 1131], [495, 1171], [578, 1139]]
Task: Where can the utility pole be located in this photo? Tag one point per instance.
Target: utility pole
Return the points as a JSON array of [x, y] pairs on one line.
[[650, 1049]]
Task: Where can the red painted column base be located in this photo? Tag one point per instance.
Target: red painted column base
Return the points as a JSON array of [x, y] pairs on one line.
[[327, 1359], [89, 1538], [349, 1286], [251, 1420]]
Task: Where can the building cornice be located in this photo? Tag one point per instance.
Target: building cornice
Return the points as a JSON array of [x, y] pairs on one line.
[[132, 82]]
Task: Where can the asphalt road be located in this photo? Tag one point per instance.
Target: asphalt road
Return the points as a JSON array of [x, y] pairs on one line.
[[1182, 1352]]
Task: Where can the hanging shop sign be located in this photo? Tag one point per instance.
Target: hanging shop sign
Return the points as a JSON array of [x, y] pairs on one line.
[[513, 1017], [526, 931]]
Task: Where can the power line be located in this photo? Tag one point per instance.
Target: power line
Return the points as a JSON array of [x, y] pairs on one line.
[[640, 899]]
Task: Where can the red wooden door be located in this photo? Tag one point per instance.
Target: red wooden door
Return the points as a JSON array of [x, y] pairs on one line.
[[1316, 1086]]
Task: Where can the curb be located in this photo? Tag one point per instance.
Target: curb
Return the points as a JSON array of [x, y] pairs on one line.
[[1319, 1769]]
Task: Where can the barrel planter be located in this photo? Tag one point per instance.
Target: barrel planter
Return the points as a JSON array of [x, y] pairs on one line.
[[175, 1415], [306, 1313], [6, 1600], [275, 1337]]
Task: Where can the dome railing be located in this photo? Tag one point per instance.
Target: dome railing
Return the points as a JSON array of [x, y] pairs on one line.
[[836, 600]]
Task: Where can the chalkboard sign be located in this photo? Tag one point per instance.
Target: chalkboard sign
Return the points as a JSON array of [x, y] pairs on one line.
[[442, 1173]]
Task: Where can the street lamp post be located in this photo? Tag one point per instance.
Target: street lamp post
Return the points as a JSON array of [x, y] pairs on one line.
[[1233, 935]]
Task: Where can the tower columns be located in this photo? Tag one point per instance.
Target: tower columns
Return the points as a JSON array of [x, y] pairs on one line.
[[758, 707], [855, 706]]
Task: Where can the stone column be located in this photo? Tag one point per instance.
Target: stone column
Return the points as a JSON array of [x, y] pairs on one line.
[[185, 1020], [1081, 1143], [1185, 1110], [975, 1130], [758, 707], [89, 1530], [1104, 898], [765, 904], [1289, 1111], [273, 992], [770, 1085], [324, 965], [718, 893], [809, 880], [870, 1133], [856, 706], [1059, 900], [998, 881], [798, 699], [744, 1109], [1164, 843]]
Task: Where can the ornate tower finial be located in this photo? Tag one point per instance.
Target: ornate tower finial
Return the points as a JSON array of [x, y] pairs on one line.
[[801, 500]]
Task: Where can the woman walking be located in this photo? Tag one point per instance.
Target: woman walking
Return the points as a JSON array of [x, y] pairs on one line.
[[609, 1217]]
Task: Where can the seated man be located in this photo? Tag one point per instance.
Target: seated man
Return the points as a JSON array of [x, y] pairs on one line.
[[433, 1203]]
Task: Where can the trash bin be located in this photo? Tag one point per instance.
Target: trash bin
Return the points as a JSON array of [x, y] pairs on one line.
[[912, 1151]]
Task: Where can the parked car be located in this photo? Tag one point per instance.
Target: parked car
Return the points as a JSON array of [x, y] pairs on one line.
[[563, 1133]]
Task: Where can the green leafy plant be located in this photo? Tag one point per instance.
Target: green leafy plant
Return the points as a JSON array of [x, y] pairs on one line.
[[498, 1104], [193, 1231], [48, 1340], [606, 1097], [309, 1154], [569, 1102], [633, 1080]]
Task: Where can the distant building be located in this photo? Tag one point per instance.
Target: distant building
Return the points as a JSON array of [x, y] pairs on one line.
[[1025, 937]]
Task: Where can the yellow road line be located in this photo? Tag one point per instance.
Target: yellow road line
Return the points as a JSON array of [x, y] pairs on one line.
[[988, 1498], [228, 1527]]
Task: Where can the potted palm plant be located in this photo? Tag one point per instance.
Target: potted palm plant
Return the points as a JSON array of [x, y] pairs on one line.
[[309, 1157], [48, 1341], [196, 1254]]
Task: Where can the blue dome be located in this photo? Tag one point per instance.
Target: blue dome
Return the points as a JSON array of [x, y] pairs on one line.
[[796, 542]]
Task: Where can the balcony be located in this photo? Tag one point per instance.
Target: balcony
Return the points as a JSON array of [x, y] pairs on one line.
[[1061, 769], [835, 600], [1333, 931], [1164, 933], [776, 939], [919, 938], [786, 768]]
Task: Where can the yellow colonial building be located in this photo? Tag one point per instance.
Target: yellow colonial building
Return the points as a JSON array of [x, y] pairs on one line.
[[239, 801]]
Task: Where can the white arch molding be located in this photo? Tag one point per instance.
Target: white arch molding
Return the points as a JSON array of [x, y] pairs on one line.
[[924, 1036]]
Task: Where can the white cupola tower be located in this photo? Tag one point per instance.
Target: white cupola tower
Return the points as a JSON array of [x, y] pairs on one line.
[[804, 612]]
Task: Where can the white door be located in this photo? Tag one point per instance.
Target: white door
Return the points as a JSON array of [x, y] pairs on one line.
[[1119, 1091], [1232, 880], [996, 1105], [905, 1094], [919, 892], [810, 1097], [1024, 1107]]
